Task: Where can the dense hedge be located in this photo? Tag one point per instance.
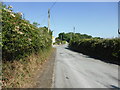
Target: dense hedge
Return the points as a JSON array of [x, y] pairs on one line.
[[105, 49], [19, 37]]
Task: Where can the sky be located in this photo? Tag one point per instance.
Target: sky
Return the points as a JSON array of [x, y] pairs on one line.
[[99, 19]]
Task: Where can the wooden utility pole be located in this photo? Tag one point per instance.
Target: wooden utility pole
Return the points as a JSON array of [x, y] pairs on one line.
[[23, 16], [48, 20], [74, 30]]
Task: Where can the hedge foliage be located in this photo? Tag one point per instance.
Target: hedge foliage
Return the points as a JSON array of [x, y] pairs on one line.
[[107, 49], [20, 38]]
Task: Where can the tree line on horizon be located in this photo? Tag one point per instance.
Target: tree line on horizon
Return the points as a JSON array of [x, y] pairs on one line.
[[73, 36]]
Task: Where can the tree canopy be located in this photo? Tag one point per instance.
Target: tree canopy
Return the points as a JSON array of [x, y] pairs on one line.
[[71, 36]]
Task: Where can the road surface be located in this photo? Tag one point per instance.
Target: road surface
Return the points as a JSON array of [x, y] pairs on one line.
[[75, 70]]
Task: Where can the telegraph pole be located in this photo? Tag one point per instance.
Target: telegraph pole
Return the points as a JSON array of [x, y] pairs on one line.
[[74, 30], [23, 16], [48, 20]]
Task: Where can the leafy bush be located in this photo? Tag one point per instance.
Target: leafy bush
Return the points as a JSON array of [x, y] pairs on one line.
[[64, 42], [20, 38], [107, 49], [59, 42], [68, 36]]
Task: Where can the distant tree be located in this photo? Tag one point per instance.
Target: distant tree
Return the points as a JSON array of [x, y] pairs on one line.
[[57, 39], [35, 24], [97, 38], [72, 36], [61, 36]]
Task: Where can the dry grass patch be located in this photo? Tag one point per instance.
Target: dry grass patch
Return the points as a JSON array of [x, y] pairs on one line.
[[20, 74]]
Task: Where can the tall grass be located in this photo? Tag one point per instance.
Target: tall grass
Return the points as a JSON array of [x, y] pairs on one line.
[[21, 74]]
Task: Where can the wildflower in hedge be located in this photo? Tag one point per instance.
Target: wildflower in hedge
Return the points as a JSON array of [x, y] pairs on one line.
[[4, 9], [29, 39], [12, 14], [19, 13], [7, 10], [20, 32], [10, 7], [16, 28], [21, 28], [25, 24]]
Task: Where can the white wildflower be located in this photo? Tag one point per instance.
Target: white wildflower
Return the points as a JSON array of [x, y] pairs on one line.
[[29, 39], [25, 24], [16, 28], [4, 9], [20, 32], [7, 10], [19, 13], [10, 6], [12, 14]]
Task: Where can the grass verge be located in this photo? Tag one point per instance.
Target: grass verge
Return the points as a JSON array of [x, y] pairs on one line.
[[20, 74]]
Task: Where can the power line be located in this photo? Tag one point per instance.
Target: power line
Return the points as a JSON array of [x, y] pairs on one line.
[[49, 15], [74, 30], [53, 5], [45, 15], [43, 21]]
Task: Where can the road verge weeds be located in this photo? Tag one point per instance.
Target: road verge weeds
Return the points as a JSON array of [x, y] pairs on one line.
[[20, 74]]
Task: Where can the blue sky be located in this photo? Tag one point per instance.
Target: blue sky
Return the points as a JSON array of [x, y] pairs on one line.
[[99, 19]]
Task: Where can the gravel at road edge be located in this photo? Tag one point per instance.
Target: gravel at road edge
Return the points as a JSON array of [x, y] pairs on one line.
[[45, 76]]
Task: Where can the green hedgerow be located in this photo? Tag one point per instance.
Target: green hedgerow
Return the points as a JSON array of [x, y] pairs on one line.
[[20, 38]]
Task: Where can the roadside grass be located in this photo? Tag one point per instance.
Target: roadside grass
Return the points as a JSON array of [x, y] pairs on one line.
[[20, 74]]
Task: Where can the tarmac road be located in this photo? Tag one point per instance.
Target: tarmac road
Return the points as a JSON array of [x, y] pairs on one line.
[[75, 70]]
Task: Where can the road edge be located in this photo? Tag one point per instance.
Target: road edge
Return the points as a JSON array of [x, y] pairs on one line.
[[53, 77]]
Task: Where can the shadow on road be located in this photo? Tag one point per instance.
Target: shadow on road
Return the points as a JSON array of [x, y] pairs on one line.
[[95, 57], [118, 88]]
